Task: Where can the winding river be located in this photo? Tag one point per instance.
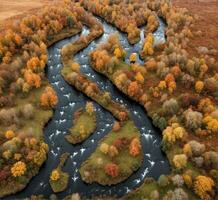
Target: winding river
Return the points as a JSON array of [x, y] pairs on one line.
[[155, 162]]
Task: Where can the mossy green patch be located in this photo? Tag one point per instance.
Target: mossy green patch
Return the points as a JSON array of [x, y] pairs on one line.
[[83, 126], [121, 65], [92, 170], [36, 123], [40, 116], [61, 184], [59, 179]]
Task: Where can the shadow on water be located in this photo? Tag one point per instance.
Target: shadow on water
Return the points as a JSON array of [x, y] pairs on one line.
[[155, 162]]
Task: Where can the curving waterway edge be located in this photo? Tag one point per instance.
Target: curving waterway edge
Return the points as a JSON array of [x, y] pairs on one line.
[[155, 162]]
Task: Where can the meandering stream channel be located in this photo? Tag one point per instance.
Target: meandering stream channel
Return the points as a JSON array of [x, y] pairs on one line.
[[155, 163]]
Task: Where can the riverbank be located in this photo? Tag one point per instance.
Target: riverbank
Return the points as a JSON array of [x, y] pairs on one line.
[[24, 147]]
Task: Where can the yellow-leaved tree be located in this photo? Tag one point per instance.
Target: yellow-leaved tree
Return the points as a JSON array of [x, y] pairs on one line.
[[173, 133], [202, 186], [18, 169], [180, 161], [118, 52], [211, 123], [148, 45], [199, 85]]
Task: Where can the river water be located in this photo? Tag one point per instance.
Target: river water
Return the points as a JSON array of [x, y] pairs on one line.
[[155, 162]]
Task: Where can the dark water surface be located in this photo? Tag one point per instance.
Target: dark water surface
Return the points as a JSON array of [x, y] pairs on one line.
[[155, 162]]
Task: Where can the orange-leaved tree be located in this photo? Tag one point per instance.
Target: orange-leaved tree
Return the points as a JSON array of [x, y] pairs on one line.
[[48, 98], [32, 78], [135, 147]]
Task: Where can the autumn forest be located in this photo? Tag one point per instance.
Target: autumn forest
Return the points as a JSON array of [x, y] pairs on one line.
[[85, 84]]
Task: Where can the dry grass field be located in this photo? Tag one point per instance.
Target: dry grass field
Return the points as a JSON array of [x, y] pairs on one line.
[[207, 22], [10, 8]]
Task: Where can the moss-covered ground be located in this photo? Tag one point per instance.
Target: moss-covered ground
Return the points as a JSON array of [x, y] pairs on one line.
[[84, 125], [92, 170], [36, 123], [61, 183]]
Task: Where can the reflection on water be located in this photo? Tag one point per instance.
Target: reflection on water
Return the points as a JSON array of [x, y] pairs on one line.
[[154, 164]]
